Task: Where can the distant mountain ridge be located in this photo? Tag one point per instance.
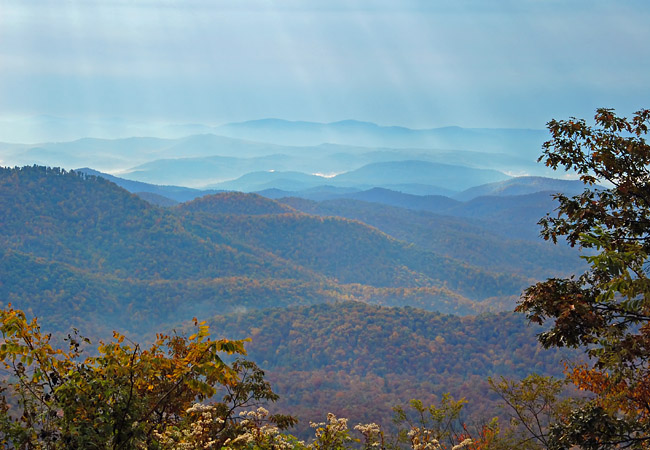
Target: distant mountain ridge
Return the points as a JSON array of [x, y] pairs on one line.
[[85, 239], [280, 131], [176, 193], [353, 132], [206, 159], [522, 186], [512, 216], [408, 175], [200, 155], [237, 203]]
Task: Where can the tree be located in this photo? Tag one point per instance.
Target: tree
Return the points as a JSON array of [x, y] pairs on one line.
[[124, 397], [439, 427], [533, 404], [606, 310]]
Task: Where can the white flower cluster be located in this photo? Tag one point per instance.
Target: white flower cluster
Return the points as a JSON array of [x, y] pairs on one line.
[[331, 434], [333, 425], [371, 433], [259, 434], [255, 431], [423, 439], [370, 428], [462, 445], [197, 435]]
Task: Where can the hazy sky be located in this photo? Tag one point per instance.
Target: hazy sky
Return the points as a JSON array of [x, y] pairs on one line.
[[417, 63]]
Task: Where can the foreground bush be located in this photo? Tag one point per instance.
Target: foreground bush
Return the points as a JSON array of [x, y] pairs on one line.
[[124, 396]]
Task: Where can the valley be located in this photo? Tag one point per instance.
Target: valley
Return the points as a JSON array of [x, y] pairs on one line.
[[360, 289], [408, 282]]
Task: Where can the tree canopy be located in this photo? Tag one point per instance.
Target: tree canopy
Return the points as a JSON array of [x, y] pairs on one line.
[[123, 396], [606, 310]]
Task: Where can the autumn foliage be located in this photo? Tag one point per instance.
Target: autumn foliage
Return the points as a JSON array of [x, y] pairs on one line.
[[606, 310], [121, 396]]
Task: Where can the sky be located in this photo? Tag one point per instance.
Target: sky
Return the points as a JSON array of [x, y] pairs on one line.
[[414, 63]]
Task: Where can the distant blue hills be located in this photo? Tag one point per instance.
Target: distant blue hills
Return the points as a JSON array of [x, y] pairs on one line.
[[522, 186], [325, 188], [352, 132], [153, 193], [46, 128], [412, 176], [121, 146], [296, 156], [510, 207]]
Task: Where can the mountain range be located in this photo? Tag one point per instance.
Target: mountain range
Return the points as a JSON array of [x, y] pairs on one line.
[[369, 265], [224, 153], [352, 306], [79, 238], [281, 132]]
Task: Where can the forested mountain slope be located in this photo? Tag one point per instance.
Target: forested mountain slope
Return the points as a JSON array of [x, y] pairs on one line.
[[85, 245], [352, 252], [92, 224], [237, 203], [358, 360], [468, 240]]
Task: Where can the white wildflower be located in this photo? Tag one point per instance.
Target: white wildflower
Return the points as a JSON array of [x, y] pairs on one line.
[[462, 445]]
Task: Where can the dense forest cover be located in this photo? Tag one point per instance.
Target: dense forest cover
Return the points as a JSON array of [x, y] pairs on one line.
[[80, 251], [481, 243], [331, 360], [187, 392], [236, 203], [358, 360]]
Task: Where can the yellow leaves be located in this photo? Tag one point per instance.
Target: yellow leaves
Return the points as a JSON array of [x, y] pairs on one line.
[[118, 337], [230, 347], [24, 343], [26, 360], [614, 394], [168, 377], [13, 322], [203, 331], [588, 379]]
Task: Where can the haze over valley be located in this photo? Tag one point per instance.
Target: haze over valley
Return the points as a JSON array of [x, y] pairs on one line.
[[354, 188], [222, 236]]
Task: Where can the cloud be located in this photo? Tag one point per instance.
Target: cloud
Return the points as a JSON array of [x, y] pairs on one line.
[[485, 63]]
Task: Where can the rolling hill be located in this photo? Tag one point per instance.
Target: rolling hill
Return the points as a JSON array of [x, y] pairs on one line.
[[471, 241], [367, 134], [358, 360], [522, 186], [99, 250], [448, 176], [406, 176], [236, 203]]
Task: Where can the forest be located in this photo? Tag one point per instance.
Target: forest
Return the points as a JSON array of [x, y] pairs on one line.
[[311, 321], [69, 239]]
